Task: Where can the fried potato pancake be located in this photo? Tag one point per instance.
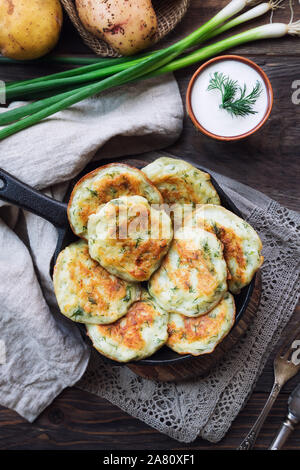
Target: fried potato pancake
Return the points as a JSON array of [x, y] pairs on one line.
[[86, 292], [201, 335], [139, 334], [103, 184], [180, 182], [242, 245], [129, 238], [193, 276]]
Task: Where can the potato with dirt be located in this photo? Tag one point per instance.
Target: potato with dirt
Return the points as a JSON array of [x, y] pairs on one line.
[[29, 29], [127, 25]]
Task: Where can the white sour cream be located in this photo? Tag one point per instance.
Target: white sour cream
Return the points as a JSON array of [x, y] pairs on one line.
[[206, 104]]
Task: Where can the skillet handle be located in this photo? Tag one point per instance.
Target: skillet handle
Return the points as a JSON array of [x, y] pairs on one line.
[[20, 194]]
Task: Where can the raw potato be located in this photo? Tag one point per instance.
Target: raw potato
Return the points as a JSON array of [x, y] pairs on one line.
[[29, 29], [127, 25]]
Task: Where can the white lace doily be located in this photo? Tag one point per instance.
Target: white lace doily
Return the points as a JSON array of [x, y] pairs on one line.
[[207, 406]]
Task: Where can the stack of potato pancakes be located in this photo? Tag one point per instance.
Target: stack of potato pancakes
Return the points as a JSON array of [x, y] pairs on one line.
[[157, 261]]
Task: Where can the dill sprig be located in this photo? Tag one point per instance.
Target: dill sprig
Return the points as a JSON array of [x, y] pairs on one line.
[[236, 106]]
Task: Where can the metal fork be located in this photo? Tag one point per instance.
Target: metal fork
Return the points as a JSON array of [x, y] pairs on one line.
[[285, 367]]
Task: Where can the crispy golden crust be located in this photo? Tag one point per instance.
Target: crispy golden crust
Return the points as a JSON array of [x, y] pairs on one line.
[[86, 292], [128, 331], [102, 185], [180, 182], [192, 278], [233, 249], [129, 238], [201, 335], [141, 332], [242, 245], [193, 259]]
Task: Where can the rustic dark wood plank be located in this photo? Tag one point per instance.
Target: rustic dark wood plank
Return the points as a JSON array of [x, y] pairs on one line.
[[268, 161], [79, 420]]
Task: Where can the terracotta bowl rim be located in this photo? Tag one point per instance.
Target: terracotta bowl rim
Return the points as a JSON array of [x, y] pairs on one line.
[[264, 77]]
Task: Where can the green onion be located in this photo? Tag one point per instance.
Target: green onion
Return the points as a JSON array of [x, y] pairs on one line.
[[255, 12], [48, 106], [267, 31], [163, 56], [154, 65], [42, 106], [17, 90], [22, 90], [97, 64], [54, 60]]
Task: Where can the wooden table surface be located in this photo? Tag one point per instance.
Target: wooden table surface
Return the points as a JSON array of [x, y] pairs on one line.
[[267, 161]]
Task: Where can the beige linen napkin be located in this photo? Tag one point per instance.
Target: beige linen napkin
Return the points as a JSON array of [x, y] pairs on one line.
[[40, 352]]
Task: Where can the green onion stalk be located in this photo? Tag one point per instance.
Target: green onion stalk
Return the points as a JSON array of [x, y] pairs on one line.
[[96, 65], [267, 31], [52, 59], [249, 15]]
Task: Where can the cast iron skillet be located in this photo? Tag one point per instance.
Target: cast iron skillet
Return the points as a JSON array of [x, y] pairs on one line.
[[15, 192]]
